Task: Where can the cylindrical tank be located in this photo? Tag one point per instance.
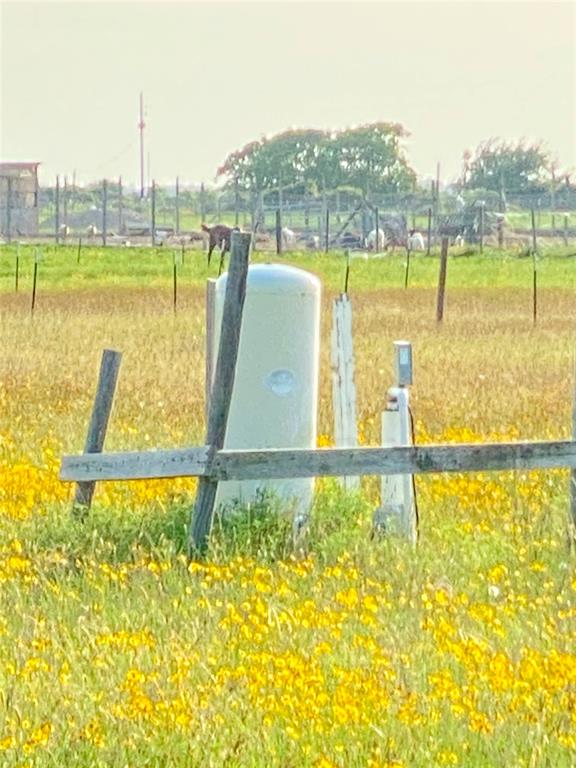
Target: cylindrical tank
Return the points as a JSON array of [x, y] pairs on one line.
[[275, 397]]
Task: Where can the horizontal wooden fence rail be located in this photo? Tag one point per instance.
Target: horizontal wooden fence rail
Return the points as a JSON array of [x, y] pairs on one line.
[[321, 462]]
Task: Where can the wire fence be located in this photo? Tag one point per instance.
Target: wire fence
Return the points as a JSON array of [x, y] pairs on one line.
[[110, 213]]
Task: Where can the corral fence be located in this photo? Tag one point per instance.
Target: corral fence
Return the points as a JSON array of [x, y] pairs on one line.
[[110, 213]]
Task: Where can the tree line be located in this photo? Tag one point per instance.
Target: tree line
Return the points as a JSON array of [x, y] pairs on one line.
[[371, 159]]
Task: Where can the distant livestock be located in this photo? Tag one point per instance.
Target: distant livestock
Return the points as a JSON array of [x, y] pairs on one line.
[[92, 230], [371, 240], [415, 241], [313, 243], [64, 230], [219, 236], [288, 239], [459, 241]]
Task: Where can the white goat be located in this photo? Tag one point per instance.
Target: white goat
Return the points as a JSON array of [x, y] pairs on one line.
[[64, 230], [459, 241], [371, 240], [92, 230], [288, 238], [415, 241]]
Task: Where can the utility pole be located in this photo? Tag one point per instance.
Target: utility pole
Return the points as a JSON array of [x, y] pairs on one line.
[[141, 126]]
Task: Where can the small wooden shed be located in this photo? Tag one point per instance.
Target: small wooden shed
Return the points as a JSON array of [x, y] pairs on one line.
[[18, 199]]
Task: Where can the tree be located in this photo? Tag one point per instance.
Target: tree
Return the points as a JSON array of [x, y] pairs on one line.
[[500, 166], [368, 158], [372, 158]]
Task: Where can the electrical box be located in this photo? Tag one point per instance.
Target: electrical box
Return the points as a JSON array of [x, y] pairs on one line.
[[275, 396], [403, 363]]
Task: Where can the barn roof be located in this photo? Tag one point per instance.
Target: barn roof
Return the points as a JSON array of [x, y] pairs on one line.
[[18, 166]]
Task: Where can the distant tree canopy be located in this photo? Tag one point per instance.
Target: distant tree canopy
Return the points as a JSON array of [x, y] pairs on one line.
[[501, 166], [368, 158]]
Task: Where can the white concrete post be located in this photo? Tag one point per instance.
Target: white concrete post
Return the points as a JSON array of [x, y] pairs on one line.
[[397, 513], [343, 389]]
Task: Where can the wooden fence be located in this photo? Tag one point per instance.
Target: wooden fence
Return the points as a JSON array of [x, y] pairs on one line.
[[212, 464]]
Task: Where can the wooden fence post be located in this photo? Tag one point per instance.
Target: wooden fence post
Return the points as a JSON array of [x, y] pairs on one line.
[[201, 521], [109, 367], [210, 315], [37, 255], [429, 232], [442, 280], [377, 228], [572, 518], [327, 232], [482, 227], [343, 389], [17, 270]]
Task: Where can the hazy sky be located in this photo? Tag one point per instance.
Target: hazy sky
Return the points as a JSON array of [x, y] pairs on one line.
[[216, 75]]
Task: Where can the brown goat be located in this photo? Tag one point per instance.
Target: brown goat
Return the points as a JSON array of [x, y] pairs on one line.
[[220, 236]]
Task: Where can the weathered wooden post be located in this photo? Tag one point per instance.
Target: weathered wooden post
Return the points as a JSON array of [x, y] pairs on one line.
[[108, 376], [572, 517], [17, 271], [533, 221], [327, 231], [201, 519], [37, 256], [79, 250], [429, 234], [343, 388], [482, 226], [442, 280], [377, 228], [210, 335]]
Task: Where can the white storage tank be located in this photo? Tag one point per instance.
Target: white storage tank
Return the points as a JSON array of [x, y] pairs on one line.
[[275, 397]]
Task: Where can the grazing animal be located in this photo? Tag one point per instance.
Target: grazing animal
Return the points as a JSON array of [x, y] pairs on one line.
[[459, 241], [219, 236], [64, 230], [288, 238], [371, 240], [415, 241], [313, 243], [350, 240], [92, 230]]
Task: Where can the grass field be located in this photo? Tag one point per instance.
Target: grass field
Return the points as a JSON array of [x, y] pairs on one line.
[[360, 652]]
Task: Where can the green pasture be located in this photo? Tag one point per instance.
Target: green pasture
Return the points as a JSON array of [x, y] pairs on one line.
[[59, 268]]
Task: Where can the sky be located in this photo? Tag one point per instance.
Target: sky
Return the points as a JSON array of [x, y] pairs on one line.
[[217, 75]]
